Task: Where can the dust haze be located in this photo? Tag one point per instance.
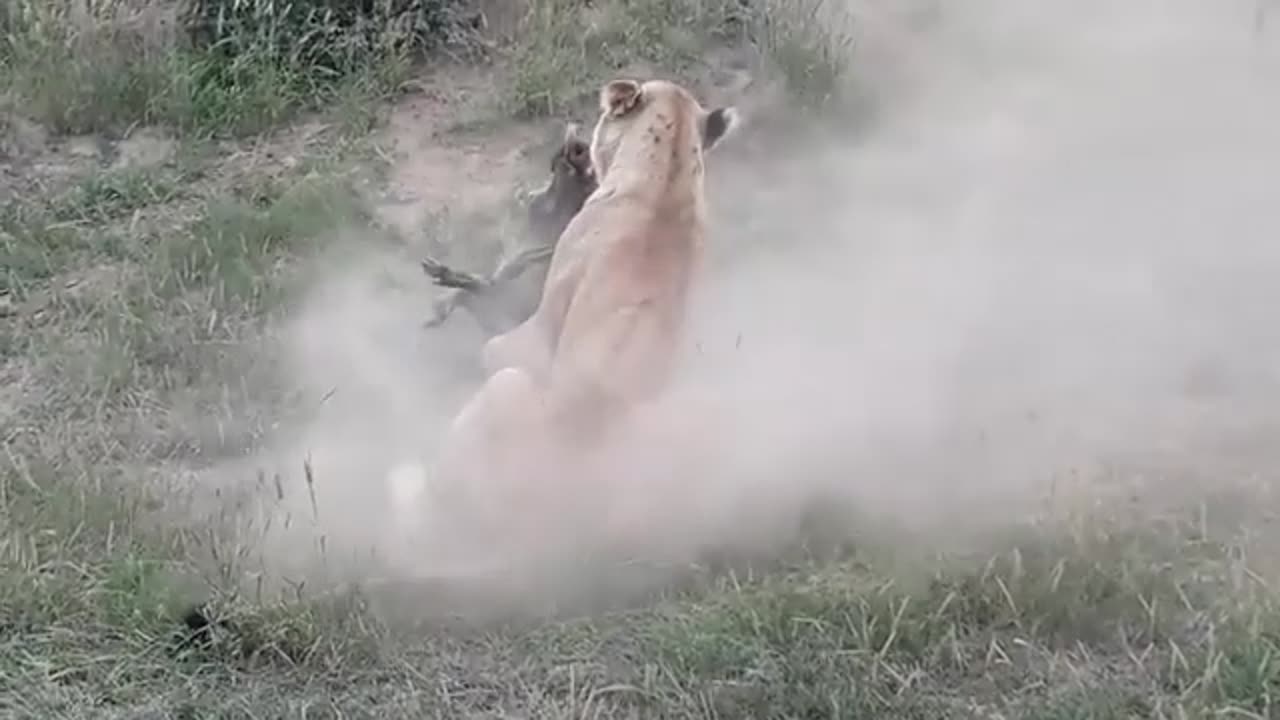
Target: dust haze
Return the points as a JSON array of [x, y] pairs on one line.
[[1045, 268]]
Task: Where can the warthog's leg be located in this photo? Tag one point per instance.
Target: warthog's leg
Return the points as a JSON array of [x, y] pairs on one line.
[[494, 301], [445, 276], [514, 266], [442, 307], [458, 284]]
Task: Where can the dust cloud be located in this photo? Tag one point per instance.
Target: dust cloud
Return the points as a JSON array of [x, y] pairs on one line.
[[1049, 259]]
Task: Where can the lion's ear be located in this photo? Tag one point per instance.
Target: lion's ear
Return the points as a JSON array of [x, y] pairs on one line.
[[718, 124], [619, 97]]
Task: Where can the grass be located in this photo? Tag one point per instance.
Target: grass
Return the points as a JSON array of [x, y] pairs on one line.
[[138, 338], [1051, 626], [257, 64], [564, 48], [219, 67]]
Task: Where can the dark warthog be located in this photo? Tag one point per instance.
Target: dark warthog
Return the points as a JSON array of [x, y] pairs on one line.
[[509, 295]]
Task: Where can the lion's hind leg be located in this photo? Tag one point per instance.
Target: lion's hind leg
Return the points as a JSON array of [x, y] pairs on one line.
[[524, 346], [495, 443], [665, 464]]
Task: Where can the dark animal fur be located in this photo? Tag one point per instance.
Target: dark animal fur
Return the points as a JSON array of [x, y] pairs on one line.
[[509, 295], [199, 628]]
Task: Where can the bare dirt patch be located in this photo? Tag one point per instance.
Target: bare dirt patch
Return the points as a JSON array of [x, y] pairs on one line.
[[437, 167]]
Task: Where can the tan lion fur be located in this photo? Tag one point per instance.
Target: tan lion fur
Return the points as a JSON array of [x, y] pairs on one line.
[[609, 327], [613, 308]]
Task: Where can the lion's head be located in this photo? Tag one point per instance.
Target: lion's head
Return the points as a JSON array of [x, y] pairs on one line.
[[661, 111]]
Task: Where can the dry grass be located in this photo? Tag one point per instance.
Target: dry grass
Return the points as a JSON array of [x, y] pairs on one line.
[[137, 332], [111, 64], [1095, 621], [564, 48]]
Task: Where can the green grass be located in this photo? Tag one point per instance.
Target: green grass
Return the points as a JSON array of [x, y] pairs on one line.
[[174, 281], [152, 365], [809, 43], [224, 68], [565, 50], [139, 331], [120, 66], [1050, 626]]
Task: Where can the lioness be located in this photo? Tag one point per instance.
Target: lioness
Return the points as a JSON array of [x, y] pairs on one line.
[[612, 311], [509, 295], [607, 330]]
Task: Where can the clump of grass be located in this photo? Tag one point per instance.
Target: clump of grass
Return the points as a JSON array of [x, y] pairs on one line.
[[181, 322], [78, 68], [107, 196], [563, 50], [43, 235], [233, 248], [33, 246], [210, 66], [164, 325], [1123, 620], [809, 44], [328, 37]]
